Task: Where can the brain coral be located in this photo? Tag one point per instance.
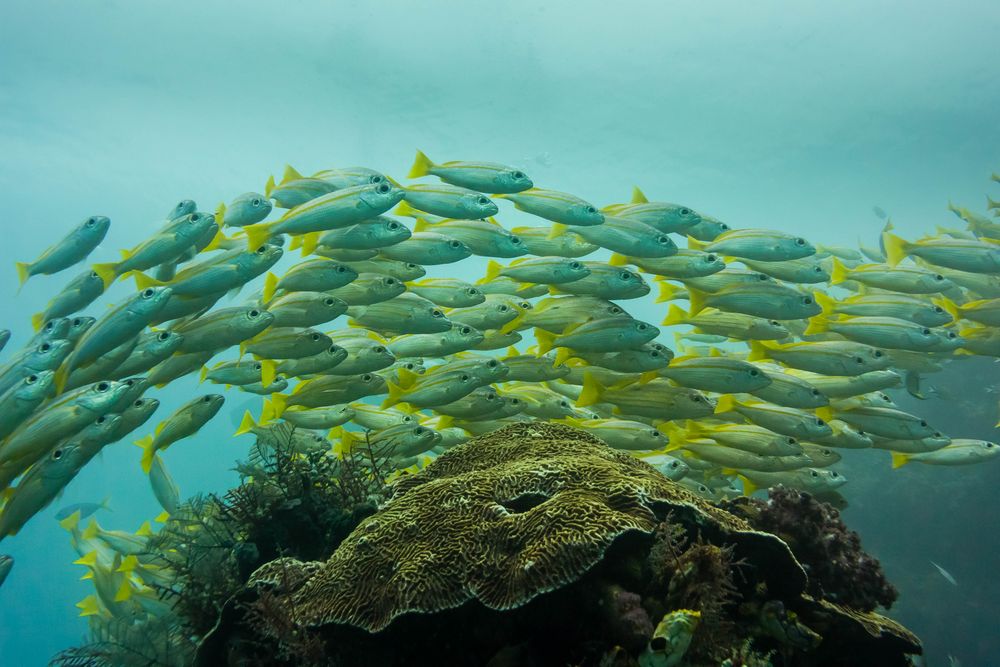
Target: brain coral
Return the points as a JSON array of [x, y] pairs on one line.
[[500, 519]]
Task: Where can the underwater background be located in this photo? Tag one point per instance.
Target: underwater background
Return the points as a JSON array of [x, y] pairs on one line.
[[798, 117]]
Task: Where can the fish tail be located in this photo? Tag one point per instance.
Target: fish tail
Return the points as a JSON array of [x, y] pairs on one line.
[[247, 424], [406, 210], [592, 392], [618, 260], [896, 248], [638, 197], [309, 243], [220, 214], [23, 273], [145, 530], [695, 244], [89, 606], [817, 325], [257, 235], [420, 224], [291, 174], [674, 316], [124, 591], [513, 325], [279, 402], [71, 522], [563, 354], [899, 459], [108, 273], [395, 394], [838, 272], [825, 413], [147, 453], [697, 299], [270, 286], [37, 320], [295, 243], [546, 340], [748, 487], [493, 269], [142, 281], [726, 403], [268, 371], [269, 186], [422, 165], [826, 302], [62, 376], [216, 240], [758, 351], [668, 291], [992, 203], [949, 307], [266, 413]]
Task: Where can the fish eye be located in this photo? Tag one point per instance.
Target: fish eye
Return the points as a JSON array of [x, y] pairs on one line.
[[341, 269], [791, 441], [754, 372], [624, 275], [261, 250], [711, 259], [207, 399], [465, 330], [257, 366], [877, 354], [45, 347], [102, 387], [925, 331], [328, 302], [382, 188], [254, 313], [938, 276], [436, 313], [641, 326], [490, 396], [333, 349], [674, 464], [101, 420], [923, 424], [502, 308], [575, 266], [93, 274], [938, 309], [816, 392], [255, 202], [820, 422], [91, 222], [50, 325], [392, 226], [194, 217], [455, 244], [367, 377], [952, 335], [663, 240], [464, 377], [315, 337], [774, 323], [31, 379], [591, 209], [375, 178], [800, 242], [77, 322], [518, 175], [492, 363], [139, 402], [988, 444], [482, 201], [696, 399], [390, 281], [378, 349], [57, 454], [654, 353], [685, 211], [472, 291], [813, 473], [807, 300], [516, 240], [418, 430], [162, 336], [859, 360], [615, 310]]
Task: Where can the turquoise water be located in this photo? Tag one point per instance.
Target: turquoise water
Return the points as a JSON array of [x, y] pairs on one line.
[[798, 117]]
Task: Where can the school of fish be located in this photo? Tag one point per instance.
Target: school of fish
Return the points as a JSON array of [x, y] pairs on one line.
[[780, 357]]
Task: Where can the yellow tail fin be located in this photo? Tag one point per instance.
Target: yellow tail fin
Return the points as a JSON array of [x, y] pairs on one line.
[[422, 165], [558, 229], [124, 591], [899, 459], [748, 487], [269, 186], [268, 371], [145, 530], [669, 291], [758, 351], [695, 244], [247, 424], [896, 248], [107, 272], [563, 354], [203, 374], [674, 316], [89, 606], [216, 241], [726, 404], [279, 402], [37, 320], [257, 235], [838, 272], [618, 260], [546, 340], [309, 243], [266, 413], [142, 281], [638, 196], [826, 302], [23, 272], [817, 324], [406, 210], [270, 285], [698, 300], [421, 225], [395, 394], [513, 325], [147, 452], [493, 269], [592, 391], [220, 214]]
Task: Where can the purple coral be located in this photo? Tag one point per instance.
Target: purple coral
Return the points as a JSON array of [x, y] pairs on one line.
[[628, 623], [839, 570]]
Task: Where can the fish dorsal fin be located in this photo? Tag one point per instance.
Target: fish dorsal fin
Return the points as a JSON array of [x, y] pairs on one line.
[[638, 196], [290, 175]]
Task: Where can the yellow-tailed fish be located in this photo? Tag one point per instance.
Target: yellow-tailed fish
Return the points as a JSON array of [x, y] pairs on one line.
[[495, 312], [165, 489], [364, 355], [538, 242], [786, 421], [78, 294], [317, 419], [222, 328], [476, 405], [622, 433], [337, 254], [961, 451], [662, 216], [823, 357], [812, 480], [806, 270], [845, 436], [486, 238], [406, 313], [19, 401], [788, 390], [184, 422], [341, 208], [184, 306], [69, 250], [819, 455], [715, 373], [708, 229], [245, 371], [482, 176], [836, 386], [731, 325], [165, 246], [554, 314], [135, 415], [957, 254], [211, 278], [657, 399], [605, 282], [905, 279], [349, 177], [538, 401], [730, 457], [981, 340], [315, 275], [601, 335], [747, 437], [556, 206], [428, 248], [373, 417], [765, 299], [903, 306], [305, 309], [447, 292], [923, 445], [643, 359], [368, 289], [728, 277], [887, 423], [756, 244], [982, 311], [626, 236], [296, 189], [46, 356], [447, 201], [433, 389], [682, 264], [377, 232], [151, 348], [286, 343], [459, 338], [102, 367], [179, 365], [319, 363], [542, 270], [399, 440], [886, 332], [329, 390], [247, 209], [531, 368]]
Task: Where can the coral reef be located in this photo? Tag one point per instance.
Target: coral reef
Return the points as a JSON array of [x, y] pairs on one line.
[[534, 545], [839, 569]]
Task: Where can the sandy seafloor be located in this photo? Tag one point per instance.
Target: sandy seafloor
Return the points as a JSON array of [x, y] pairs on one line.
[[794, 116]]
